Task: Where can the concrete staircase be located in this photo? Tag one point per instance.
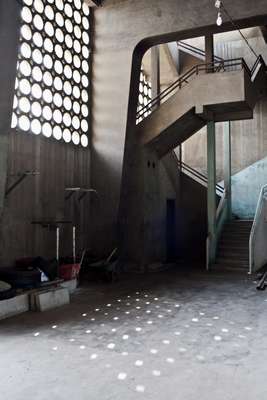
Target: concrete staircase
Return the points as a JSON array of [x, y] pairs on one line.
[[198, 97], [233, 249]]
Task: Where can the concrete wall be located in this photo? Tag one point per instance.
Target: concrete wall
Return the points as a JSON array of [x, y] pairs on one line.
[[42, 197], [60, 165], [119, 46], [193, 219], [246, 186], [9, 42]]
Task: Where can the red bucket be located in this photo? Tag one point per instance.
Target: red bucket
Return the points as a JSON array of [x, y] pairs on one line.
[[69, 271]]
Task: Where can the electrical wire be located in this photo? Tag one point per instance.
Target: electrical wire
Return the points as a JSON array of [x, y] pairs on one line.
[[238, 29]]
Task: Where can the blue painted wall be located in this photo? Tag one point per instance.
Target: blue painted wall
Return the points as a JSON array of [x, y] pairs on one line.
[[246, 186]]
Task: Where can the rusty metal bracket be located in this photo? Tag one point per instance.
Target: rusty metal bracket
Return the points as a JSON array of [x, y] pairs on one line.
[[21, 177], [82, 192]]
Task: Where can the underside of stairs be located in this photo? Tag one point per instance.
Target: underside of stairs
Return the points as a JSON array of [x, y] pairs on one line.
[[233, 248], [198, 97]]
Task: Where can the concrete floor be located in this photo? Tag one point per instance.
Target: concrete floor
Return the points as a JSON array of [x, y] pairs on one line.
[[162, 336]]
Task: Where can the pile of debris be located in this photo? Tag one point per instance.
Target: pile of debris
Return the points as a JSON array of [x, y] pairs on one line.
[[37, 272]]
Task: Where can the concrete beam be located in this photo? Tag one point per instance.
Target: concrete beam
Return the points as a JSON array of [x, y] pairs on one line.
[[175, 55], [155, 71], [14, 306], [52, 298]]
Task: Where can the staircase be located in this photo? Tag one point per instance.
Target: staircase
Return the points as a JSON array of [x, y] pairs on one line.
[[198, 97], [228, 93], [233, 248]]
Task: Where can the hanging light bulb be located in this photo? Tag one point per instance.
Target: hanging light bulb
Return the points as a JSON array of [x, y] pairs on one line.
[[218, 3], [219, 19]]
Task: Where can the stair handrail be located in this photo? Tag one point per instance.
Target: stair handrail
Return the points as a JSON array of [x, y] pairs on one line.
[[199, 175], [196, 50], [215, 66], [259, 61], [221, 206], [256, 221], [183, 166]]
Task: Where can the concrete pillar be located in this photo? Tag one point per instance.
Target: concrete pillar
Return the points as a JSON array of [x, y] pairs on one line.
[[209, 50], [153, 239], [227, 166], [211, 167], [155, 71], [9, 39], [176, 55]]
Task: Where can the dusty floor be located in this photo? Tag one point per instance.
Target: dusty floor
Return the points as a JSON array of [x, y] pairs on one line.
[[162, 336]]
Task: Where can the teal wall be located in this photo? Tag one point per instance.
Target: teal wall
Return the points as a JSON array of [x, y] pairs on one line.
[[246, 186]]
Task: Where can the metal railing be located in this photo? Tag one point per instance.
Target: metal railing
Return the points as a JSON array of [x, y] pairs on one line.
[[195, 50], [258, 234], [198, 176], [215, 66], [259, 62]]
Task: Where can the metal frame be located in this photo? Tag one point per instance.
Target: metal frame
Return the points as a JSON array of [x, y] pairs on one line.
[[20, 179], [82, 191]]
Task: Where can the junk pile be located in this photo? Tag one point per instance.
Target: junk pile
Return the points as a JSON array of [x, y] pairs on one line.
[[37, 272], [6, 291]]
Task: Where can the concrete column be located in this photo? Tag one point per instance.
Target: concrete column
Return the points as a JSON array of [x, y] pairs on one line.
[[227, 166], [153, 244], [209, 50], [211, 167], [155, 71], [9, 38]]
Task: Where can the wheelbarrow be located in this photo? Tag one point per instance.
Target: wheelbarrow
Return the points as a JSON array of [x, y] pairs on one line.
[[105, 269]]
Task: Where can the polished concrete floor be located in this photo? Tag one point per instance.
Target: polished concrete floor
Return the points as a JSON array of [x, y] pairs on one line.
[[161, 336]]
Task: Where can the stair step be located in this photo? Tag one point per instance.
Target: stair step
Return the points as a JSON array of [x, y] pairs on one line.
[[223, 267], [235, 246], [234, 235], [237, 241], [234, 249], [237, 231], [232, 262], [240, 221], [237, 228], [233, 256], [239, 225]]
